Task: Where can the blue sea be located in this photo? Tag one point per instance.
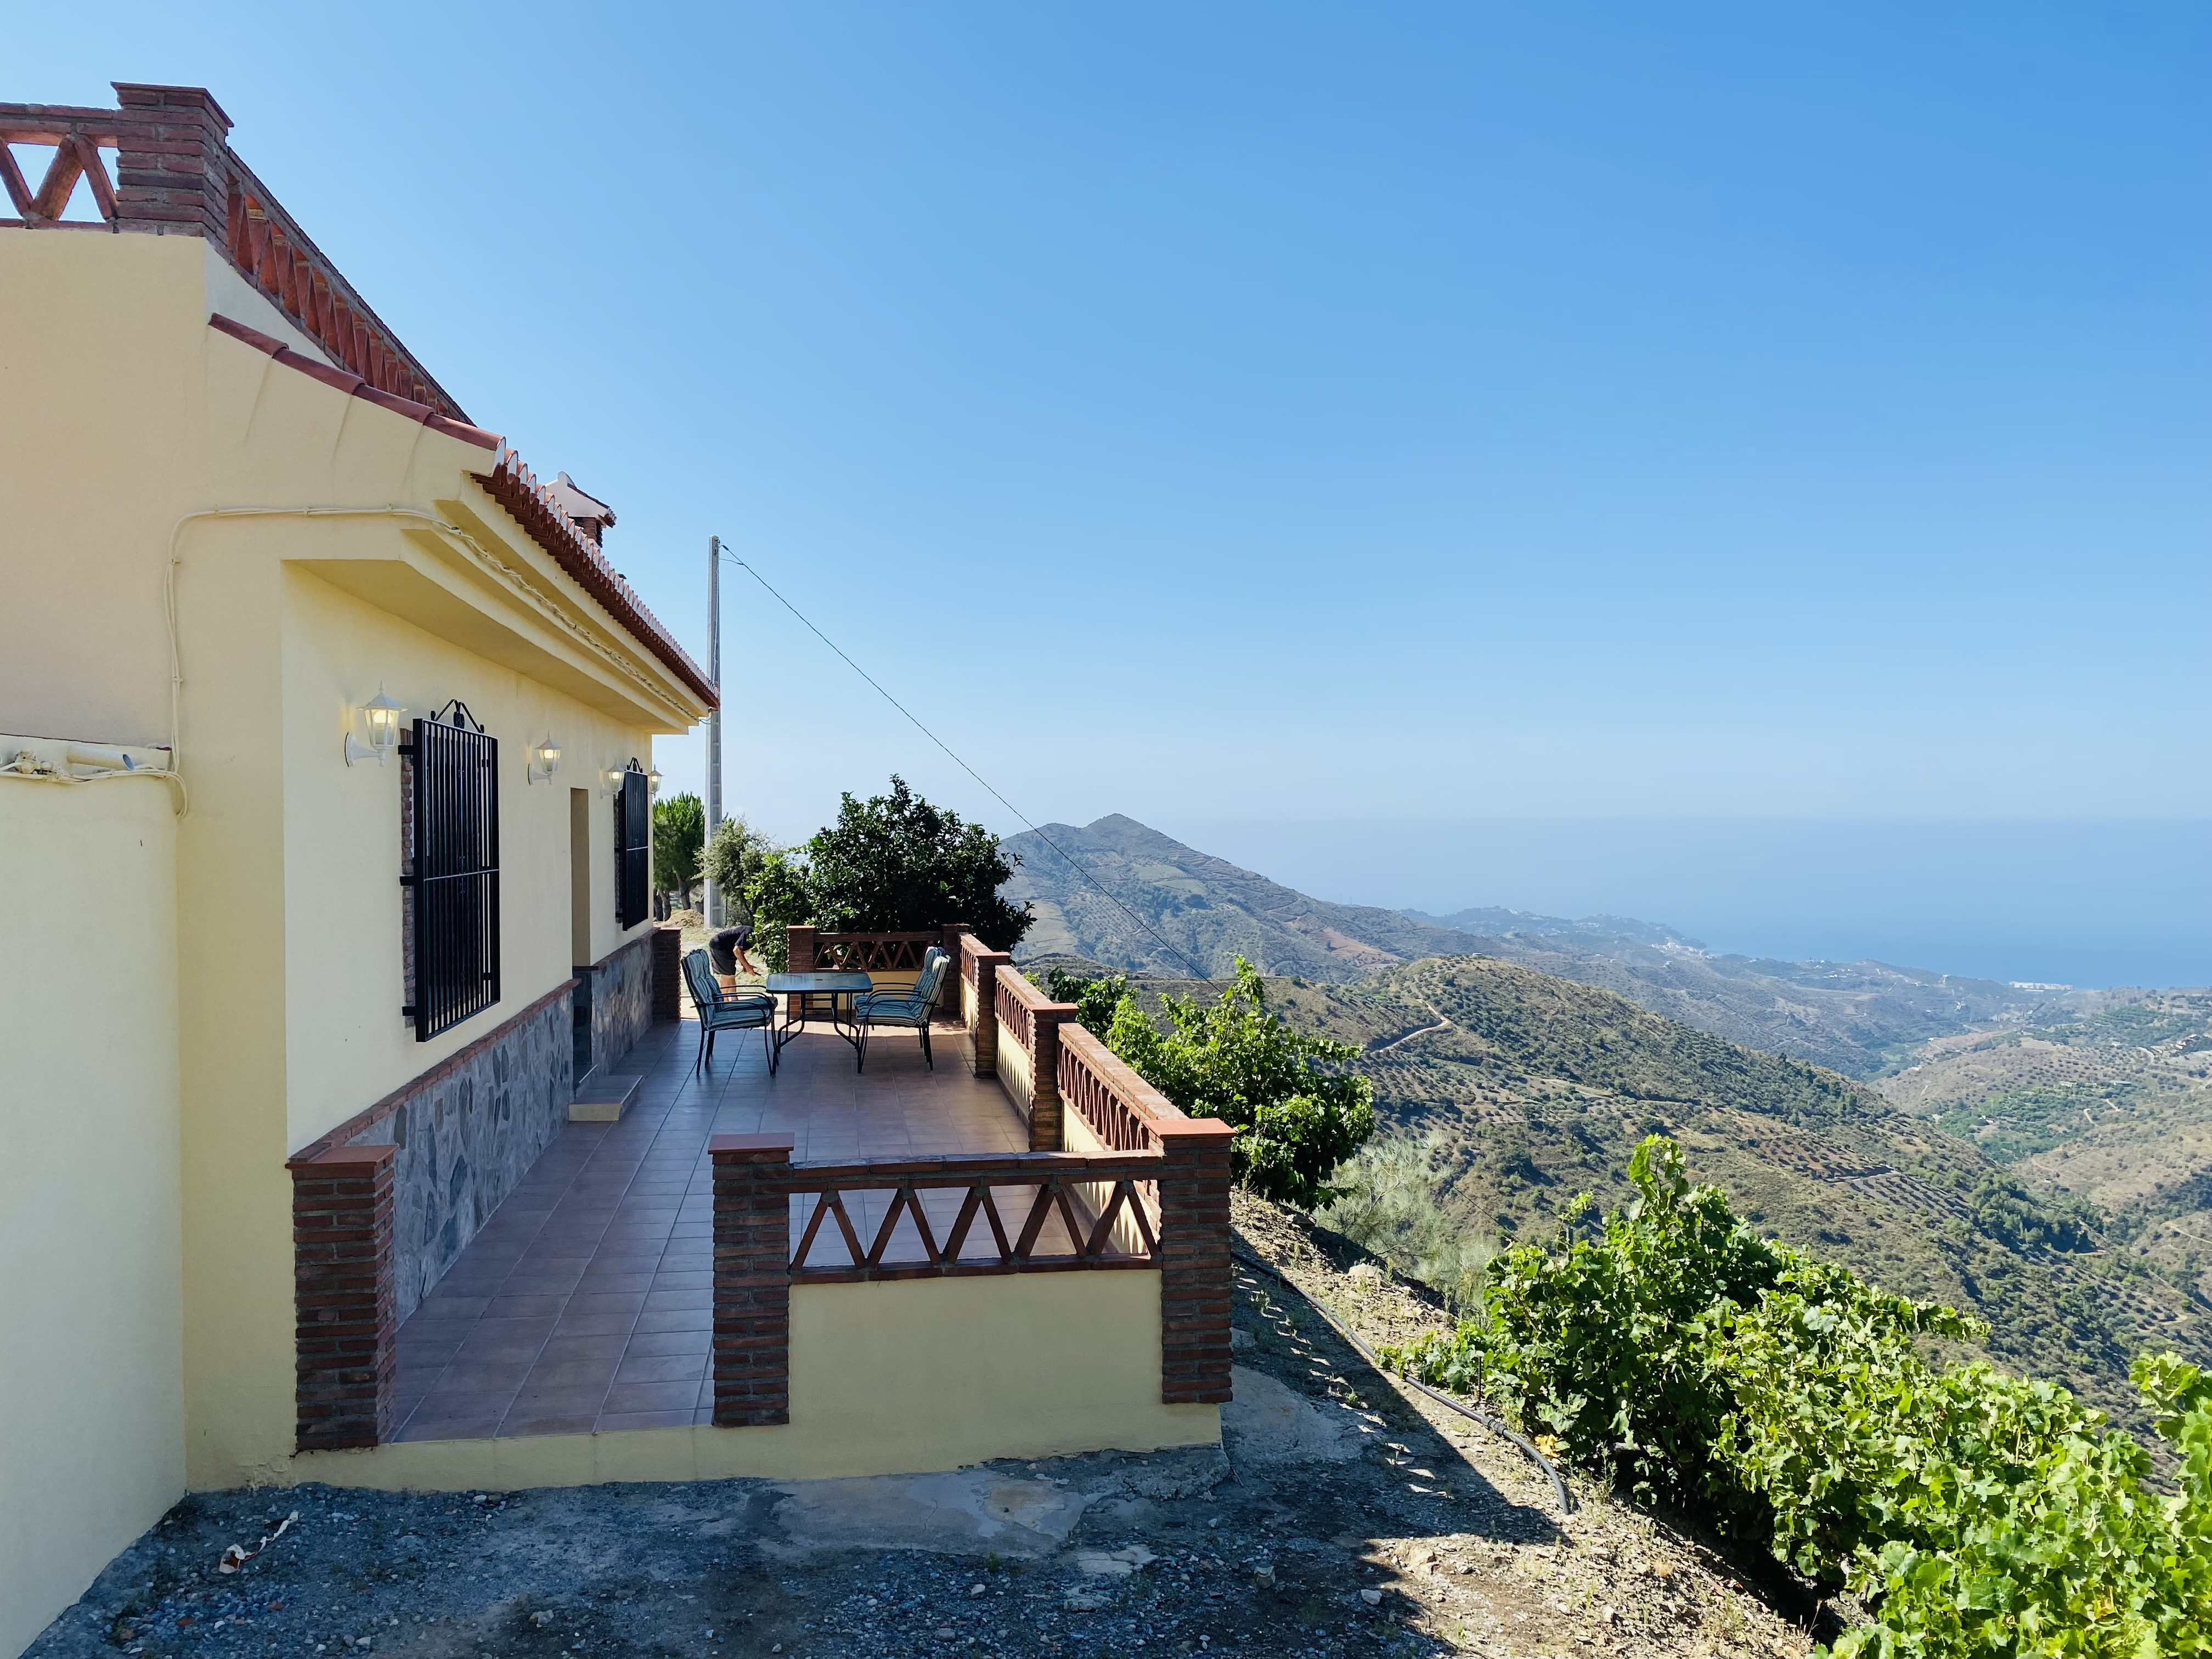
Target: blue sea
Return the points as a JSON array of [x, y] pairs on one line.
[[2081, 902]]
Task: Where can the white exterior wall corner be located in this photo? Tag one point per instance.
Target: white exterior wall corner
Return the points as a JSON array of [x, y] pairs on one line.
[[91, 1302], [273, 993]]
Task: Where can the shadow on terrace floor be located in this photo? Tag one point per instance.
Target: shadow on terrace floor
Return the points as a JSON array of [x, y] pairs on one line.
[[586, 1302]]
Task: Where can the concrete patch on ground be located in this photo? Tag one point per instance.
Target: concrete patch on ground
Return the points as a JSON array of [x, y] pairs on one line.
[[1114, 1564], [971, 1512], [1269, 1423]]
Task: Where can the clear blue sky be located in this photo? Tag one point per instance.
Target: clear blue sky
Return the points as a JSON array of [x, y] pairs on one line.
[[1343, 426]]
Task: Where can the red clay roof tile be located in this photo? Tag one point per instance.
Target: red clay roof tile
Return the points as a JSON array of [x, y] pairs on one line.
[[514, 487]]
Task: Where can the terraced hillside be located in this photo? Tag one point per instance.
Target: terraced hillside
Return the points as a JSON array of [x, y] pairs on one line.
[[1526, 1090], [2112, 1107]]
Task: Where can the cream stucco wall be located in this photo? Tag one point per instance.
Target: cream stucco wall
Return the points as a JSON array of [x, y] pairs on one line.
[[886, 1378], [347, 1043], [313, 542], [99, 355], [91, 1387]]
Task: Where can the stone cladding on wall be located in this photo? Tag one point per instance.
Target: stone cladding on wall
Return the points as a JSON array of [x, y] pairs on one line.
[[466, 1131], [621, 989]]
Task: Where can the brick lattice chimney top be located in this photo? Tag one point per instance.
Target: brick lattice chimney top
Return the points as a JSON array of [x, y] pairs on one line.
[[589, 514]]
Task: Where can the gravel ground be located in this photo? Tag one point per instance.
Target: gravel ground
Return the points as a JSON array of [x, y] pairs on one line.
[[1344, 1520]]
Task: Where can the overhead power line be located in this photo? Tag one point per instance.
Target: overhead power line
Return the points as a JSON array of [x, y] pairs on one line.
[[1196, 972]]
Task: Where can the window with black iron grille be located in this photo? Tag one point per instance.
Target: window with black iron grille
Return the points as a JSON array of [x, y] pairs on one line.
[[452, 877], [633, 848]]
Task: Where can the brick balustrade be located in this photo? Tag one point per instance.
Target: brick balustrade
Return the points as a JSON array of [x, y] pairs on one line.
[[1196, 1281], [346, 1326], [1033, 1020], [979, 970], [176, 174], [343, 1232], [752, 1279]]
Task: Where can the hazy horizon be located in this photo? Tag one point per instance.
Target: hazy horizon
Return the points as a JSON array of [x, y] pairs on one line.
[[2080, 903]]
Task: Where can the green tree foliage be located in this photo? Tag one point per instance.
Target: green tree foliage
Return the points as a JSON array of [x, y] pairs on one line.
[[1978, 1514], [679, 835], [1095, 998], [891, 863], [736, 854], [777, 893], [895, 863], [1296, 1112]]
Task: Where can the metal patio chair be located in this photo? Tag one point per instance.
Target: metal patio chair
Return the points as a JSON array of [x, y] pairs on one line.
[[909, 1008], [725, 1011]]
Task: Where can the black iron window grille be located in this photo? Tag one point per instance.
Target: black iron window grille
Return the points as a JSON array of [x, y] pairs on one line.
[[452, 875], [633, 846]]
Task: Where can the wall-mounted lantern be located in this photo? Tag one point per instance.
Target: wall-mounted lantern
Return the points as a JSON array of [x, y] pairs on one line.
[[653, 779], [544, 761], [379, 719]]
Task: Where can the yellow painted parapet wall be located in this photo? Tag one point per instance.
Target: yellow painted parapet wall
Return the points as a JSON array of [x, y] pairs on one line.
[[887, 1377], [91, 1313]]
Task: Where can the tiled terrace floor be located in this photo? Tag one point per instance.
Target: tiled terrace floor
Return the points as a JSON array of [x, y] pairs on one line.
[[586, 1302]]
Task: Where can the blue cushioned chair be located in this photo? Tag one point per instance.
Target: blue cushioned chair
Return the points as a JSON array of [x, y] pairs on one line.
[[725, 1011], [909, 1008]]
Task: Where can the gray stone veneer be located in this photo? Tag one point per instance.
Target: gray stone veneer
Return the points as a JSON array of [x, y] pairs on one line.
[[619, 990], [467, 1132]]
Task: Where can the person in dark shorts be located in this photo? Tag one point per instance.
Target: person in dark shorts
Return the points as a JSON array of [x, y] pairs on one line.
[[726, 949]]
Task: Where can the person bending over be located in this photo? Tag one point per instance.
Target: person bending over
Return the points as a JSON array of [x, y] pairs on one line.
[[727, 949]]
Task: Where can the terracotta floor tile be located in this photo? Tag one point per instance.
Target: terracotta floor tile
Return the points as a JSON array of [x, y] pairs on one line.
[[584, 1344], [597, 1282], [616, 1322], [524, 1307], [676, 1319], [678, 1395], [600, 1264], [594, 1371], [517, 1423], [661, 1368], [587, 1301], [610, 1421]]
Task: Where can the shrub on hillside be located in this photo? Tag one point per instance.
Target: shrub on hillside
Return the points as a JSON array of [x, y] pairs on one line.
[[1391, 1200], [1298, 1113], [1978, 1513]]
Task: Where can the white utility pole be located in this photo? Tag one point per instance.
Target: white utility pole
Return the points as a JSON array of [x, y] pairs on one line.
[[715, 720]]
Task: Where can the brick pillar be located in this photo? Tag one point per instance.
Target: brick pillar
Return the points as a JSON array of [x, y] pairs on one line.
[[800, 938], [668, 972], [170, 172], [345, 1333], [1195, 1281], [1045, 1131], [948, 995], [752, 1279], [983, 1037]]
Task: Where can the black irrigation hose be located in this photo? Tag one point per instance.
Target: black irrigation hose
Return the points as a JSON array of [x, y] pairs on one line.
[[1566, 1502]]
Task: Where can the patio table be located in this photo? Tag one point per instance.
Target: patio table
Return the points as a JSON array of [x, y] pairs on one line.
[[804, 995]]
